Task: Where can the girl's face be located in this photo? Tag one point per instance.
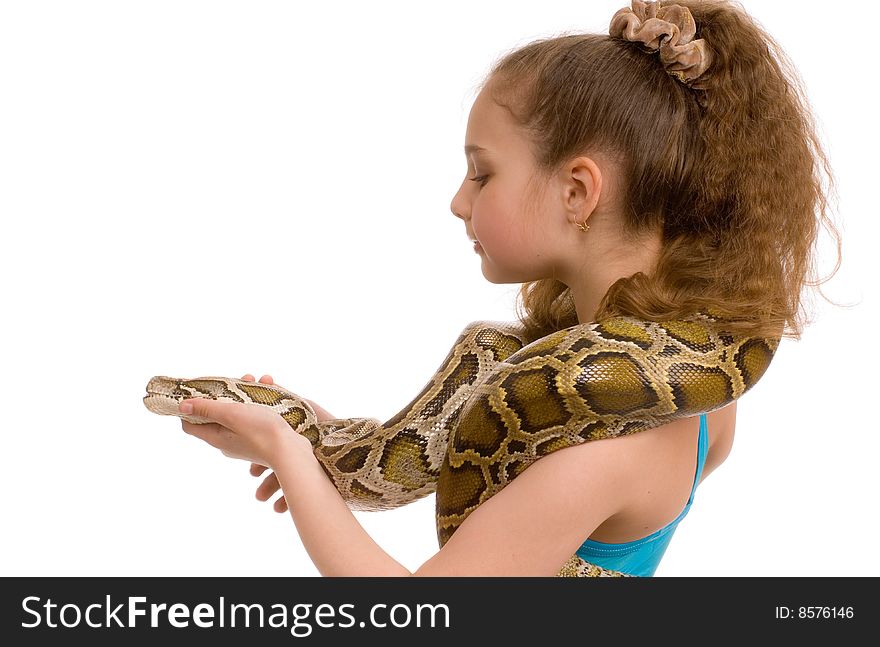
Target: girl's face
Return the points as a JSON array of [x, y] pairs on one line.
[[512, 227]]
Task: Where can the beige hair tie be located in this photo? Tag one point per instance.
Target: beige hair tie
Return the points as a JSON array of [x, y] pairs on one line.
[[671, 30]]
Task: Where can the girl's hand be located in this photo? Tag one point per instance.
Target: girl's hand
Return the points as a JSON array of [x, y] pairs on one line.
[[246, 431], [270, 484]]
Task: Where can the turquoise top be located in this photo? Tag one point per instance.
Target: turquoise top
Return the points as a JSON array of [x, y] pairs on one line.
[[641, 556]]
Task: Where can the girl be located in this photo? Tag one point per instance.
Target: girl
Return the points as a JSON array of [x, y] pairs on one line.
[[667, 168]]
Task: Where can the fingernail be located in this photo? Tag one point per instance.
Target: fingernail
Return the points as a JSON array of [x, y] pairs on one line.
[[186, 407]]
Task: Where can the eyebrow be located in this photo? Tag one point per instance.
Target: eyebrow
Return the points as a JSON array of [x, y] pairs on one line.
[[472, 148]]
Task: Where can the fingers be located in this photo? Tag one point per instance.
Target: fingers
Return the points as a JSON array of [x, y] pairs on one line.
[[235, 416], [224, 412], [266, 379], [195, 429], [268, 487], [210, 432]]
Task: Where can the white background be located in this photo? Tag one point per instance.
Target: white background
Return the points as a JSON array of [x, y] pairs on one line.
[[196, 188]]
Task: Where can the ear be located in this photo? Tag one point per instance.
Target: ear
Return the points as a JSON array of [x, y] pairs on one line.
[[582, 186]]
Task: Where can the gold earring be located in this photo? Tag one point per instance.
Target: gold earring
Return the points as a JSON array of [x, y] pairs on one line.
[[583, 225]]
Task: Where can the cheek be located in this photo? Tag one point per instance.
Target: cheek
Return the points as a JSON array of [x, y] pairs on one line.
[[486, 230], [493, 222]]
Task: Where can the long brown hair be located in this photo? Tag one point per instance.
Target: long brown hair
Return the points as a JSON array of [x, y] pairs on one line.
[[732, 173]]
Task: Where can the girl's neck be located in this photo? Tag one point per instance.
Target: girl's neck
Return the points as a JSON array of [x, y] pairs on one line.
[[606, 265]]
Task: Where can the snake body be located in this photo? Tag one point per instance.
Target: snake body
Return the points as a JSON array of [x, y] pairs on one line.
[[499, 402]]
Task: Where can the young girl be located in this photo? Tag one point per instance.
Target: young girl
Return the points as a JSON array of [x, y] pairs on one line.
[[662, 170]]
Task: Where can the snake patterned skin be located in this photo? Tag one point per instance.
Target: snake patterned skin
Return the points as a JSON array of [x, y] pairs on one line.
[[499, 402]]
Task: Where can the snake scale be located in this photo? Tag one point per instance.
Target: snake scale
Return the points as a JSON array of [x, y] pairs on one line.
[[499, 402]]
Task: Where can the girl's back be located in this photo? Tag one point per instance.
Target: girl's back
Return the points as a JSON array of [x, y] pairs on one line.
[[665, 460]]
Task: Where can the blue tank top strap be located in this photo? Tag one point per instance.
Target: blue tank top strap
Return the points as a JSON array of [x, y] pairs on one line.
[[702, 452]]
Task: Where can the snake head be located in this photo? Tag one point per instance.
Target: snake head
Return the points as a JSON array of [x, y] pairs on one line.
[[164, 394]]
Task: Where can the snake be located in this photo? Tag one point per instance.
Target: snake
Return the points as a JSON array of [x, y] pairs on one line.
[[501, 400]]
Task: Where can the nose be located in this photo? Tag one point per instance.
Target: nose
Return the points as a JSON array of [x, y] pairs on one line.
[[459, 206]]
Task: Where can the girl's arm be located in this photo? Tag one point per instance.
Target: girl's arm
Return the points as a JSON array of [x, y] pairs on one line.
[[333, 537], [530, 528]]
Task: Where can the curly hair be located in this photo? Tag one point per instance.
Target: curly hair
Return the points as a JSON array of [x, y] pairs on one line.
[[732, 173]]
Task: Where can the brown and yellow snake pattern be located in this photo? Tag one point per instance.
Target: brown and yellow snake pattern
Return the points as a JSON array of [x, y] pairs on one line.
[[499, 402]]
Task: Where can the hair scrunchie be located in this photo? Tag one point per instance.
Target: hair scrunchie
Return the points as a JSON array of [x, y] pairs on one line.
[[670, 30]]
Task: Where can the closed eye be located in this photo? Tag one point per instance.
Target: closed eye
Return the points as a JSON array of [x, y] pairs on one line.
[[482, 179]]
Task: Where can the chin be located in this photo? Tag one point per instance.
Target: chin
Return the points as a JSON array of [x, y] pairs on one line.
[[493, 275]]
